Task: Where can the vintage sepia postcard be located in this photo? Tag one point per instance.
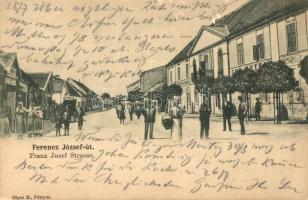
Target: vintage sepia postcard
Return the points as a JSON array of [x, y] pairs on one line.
[[153, 99]]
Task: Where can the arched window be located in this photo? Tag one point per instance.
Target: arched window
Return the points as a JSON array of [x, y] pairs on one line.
[[220, 63], [206, 62], [194, 75], [194, 66]]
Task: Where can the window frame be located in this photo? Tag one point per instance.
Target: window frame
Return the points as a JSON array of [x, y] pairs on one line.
[[240, 60], [295, 35]]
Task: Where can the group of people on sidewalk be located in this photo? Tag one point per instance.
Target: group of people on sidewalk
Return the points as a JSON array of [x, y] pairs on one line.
[[228, 110], [176, 112], [25, 120], [65, 119]]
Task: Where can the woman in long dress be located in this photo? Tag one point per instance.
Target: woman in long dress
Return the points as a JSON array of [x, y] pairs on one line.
[[176, 113], [20, 119]]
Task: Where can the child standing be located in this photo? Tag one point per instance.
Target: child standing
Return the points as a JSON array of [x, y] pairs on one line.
[[58, 124]]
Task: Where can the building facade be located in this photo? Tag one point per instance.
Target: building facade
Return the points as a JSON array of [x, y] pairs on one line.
[[258, 32], [135, 86], [282, 37], [152, 77]]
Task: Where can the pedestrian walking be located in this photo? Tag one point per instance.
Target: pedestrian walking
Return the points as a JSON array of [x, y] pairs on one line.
[[176, 113], [258, 109], [205, 114], [227, 111], [58, 124], [241, 113], [122, 116], [131, 111], [66, 121], [20, 119], [149, 114], [138, 110], [81, 113]]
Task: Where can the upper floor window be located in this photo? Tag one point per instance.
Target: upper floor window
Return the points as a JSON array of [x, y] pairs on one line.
[[194, 69], [170, 78], [187, 71], [292, 37], [206, 62], [258, 49], [240, 54], [220, 63], [179, 73]]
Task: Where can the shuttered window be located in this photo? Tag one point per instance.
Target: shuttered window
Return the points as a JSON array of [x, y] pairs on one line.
[[292, 37]]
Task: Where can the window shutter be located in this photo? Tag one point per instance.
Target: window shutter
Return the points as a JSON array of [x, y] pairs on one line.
[[255, 52]]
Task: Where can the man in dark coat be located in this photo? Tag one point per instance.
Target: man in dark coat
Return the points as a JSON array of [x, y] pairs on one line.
[[242, 114], [227, 110], [258, 108], [149, 113], [205, 114], [81, 113], [67, 121]]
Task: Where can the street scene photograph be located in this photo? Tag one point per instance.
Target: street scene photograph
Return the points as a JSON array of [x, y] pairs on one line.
[[154, 99]]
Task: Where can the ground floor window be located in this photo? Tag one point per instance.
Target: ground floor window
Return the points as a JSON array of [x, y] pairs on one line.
[[296, 96]]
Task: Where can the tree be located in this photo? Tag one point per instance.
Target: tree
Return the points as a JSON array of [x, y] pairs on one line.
[[304, 69], [245, 81], [223, 85], [106, 96], [276, 78], [173, 90]]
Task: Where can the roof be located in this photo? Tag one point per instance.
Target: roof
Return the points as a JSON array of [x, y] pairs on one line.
[[252, 13], [7, 60], [81, 88], [257, 11], [41, 79], [185, 52], [71, 91], [58, 84], [153, 69], [133, 84], [26, 77], [2, 70]]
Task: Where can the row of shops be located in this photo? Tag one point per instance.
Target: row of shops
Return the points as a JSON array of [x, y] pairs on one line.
[[37, 91]]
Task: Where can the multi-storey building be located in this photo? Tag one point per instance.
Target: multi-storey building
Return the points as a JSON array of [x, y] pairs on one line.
[[258, 32], [207, 53]]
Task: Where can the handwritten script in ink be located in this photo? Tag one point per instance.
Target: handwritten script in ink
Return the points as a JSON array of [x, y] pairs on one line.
[[105, 40], [193, 167]]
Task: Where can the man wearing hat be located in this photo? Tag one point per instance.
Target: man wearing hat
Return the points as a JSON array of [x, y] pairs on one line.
[[241, 114], [258, 109]]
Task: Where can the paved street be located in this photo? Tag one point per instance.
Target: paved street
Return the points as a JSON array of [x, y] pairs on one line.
[[107, 124]]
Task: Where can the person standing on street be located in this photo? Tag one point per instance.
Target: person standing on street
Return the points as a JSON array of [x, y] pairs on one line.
[[122, 116], [81, 113], [205, 114], [66, 121], [258, 109], [227, 110], [176, 113], [131, 111], [242, 108], [58, 124], [6, 115], [149, 113], [20, 119]]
